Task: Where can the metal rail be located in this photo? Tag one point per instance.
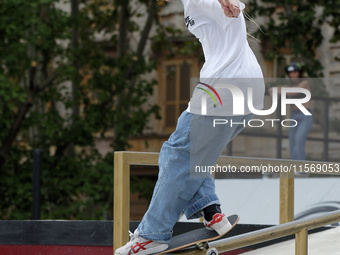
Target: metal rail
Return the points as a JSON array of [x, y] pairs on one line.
[[299, 228], [123, 161]]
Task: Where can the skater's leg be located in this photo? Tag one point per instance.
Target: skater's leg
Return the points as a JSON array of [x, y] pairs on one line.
[[194, 143]]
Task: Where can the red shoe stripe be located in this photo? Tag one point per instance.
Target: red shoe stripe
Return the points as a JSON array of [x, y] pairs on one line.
[[139, 246], [216, 219]]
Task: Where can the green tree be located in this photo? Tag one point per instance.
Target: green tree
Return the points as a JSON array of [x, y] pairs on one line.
[[297, 26], [67, 78]]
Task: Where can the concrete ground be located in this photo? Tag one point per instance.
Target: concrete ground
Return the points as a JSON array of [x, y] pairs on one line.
[[322, 243]]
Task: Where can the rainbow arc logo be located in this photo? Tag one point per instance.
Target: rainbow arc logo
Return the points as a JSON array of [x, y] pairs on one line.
[[209, 93]]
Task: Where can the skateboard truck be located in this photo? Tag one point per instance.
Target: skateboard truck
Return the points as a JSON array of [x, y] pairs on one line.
[[203, 245]]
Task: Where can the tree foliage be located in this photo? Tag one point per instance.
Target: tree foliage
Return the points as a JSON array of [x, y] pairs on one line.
[[297, 26], [70, 76]]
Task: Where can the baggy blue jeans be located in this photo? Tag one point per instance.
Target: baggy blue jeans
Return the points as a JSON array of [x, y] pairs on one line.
[[195, 142], [298, 135]]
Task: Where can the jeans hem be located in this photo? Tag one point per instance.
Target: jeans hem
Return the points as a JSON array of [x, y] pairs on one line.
[[194, 211]]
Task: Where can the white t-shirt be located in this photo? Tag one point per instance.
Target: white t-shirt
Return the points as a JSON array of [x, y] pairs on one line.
[[228, 60]]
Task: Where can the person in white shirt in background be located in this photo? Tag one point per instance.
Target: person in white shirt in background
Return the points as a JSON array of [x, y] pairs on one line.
[[220, 27]]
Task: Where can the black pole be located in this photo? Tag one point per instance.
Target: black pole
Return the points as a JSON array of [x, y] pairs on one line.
[[279, 129], [36, 184], [326, 130]]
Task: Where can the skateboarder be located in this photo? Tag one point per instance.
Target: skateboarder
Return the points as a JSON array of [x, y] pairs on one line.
[[220, 27]]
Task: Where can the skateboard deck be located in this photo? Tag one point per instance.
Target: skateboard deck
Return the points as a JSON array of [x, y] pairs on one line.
[[194, 237]]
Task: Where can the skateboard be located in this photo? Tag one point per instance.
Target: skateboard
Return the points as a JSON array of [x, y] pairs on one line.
[[197, 239]]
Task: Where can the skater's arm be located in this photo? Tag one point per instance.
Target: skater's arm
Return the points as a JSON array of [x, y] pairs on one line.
[[231, 8], [224, 11]]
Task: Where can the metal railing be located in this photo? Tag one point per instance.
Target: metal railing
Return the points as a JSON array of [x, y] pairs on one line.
[[299, 228], [123, 161]]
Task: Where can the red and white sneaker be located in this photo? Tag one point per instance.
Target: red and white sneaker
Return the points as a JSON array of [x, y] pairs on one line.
[[219, 223], [141, 246]]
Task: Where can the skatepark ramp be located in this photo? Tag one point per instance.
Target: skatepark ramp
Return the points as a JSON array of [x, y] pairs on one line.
[[123, 161]]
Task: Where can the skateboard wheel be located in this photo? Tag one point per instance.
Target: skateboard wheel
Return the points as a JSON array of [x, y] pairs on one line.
[[212, 251]]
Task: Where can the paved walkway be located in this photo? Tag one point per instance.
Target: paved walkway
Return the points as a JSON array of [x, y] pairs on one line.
[[322, 243]]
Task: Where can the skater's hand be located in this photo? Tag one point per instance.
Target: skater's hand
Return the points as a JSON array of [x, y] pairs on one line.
[[230, 7]]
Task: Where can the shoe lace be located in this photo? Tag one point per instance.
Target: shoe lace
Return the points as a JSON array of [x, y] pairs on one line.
[[131, 235]]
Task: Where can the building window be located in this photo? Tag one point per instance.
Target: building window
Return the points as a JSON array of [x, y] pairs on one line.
[[175, 89]]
